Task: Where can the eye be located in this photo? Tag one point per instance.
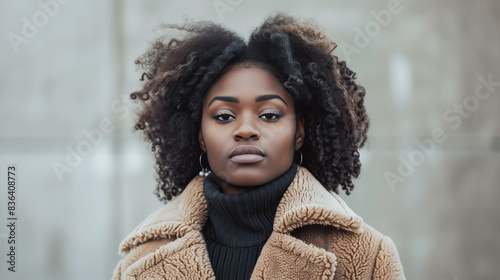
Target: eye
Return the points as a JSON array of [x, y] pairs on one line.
[[223, 117], [271, 116]]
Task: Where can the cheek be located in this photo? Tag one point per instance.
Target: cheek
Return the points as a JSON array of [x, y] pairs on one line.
[[280, 128], [287, 130], [282, 139], [214, 137]]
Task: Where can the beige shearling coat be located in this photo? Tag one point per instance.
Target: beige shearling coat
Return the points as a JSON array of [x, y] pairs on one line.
[[315, 236]]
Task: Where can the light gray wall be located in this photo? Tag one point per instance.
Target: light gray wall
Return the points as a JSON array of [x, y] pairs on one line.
[[71, 74]]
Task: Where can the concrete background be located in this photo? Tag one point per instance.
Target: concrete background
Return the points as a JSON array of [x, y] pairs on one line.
[[67, 70]]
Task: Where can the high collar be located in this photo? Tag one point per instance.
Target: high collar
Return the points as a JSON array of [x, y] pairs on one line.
[[305, 202], [244, 219]]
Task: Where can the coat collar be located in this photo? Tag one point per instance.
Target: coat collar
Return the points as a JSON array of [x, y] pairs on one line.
[[305, 202]]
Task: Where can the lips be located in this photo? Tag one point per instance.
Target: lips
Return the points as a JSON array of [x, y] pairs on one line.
[[246, 150]]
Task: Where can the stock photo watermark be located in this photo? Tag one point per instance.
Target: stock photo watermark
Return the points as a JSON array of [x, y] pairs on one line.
[[454, 116], [224, 6], [363, 36], [30, 26], [92, 138], [11, 220]]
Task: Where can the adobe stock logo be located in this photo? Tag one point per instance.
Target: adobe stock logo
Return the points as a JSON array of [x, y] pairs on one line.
[[92, 139], [40, 18], [427, 147], [364, 36], [223, 6]]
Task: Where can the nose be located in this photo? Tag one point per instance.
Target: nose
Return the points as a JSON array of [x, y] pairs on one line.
[[246, 129]]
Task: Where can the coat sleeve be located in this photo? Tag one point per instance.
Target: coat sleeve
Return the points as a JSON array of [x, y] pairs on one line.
[[387, 264]]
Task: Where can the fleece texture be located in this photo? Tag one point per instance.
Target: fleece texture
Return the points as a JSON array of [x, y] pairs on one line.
[[315, 236]]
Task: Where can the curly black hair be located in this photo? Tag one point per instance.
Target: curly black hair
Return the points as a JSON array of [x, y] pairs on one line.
[[179, 71]]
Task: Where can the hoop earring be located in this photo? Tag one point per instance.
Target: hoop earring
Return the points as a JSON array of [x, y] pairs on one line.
[[301, 158], [204, 170]]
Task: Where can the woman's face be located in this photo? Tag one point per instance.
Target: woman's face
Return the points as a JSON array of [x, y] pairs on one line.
[[248, 128]]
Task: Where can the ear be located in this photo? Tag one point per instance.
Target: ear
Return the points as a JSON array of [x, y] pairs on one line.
[[201, 141], [300, 134]]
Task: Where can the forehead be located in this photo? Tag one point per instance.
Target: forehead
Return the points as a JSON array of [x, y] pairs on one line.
[[247, 82]]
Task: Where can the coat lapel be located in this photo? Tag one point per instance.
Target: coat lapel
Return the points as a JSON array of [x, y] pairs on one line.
[[306, 202], [184, 258], [185, 213], [286, 257], [181, 219]]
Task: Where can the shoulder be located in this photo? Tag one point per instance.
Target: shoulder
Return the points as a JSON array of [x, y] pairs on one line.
[[151, 234], [387, 263], [368, 252], [180, 217]]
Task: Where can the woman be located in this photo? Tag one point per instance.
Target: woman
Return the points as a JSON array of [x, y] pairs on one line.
[[275, 125]]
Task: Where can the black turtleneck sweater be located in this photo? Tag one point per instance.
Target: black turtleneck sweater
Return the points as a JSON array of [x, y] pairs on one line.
[[239, 225]]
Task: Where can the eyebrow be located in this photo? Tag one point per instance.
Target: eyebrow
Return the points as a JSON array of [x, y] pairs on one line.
[[259, 98]]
